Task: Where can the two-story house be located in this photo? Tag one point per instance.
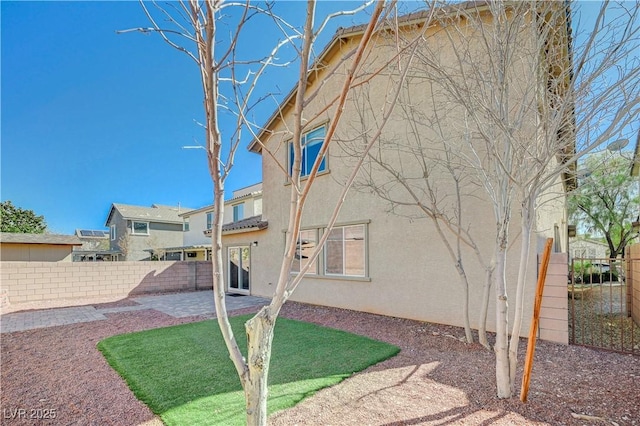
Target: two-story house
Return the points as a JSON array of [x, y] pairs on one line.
[[373, 261], [141, 233], [242, 215]]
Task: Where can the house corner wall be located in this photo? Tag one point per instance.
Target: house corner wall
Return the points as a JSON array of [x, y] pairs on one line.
[[554, 310]]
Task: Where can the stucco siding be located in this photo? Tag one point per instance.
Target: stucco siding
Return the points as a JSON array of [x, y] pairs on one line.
[[197, 226], [36, 252]]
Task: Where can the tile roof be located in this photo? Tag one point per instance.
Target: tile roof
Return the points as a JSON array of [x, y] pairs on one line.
[[247, 223], [16, 238]]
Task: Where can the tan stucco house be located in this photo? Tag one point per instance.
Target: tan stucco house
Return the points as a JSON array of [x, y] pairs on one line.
[[242, 213], [37, 247], [374, 261]]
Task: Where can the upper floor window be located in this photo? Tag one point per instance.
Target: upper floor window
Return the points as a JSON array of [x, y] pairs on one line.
[[140, 228], [113, 232], [209, 220], [310, 145], [238, 212], [185, 224]]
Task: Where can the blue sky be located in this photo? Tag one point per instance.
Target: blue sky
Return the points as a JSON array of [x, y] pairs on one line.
[[91, 117]]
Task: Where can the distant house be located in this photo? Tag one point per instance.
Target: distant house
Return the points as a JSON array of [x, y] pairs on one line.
[[242, 211], [95, 246], [141, 233], [37, 247], [582, 247]]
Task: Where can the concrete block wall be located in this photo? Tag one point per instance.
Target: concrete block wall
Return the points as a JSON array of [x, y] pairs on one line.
[[45, 281], [554, 310]]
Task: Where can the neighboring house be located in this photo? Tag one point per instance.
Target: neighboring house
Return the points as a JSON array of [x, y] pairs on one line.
[[241, 211], [374, 261], [95, 246], [141, 233], [37, 247], [583, 247]]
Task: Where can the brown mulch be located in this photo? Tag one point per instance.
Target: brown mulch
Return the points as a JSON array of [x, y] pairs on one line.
[[436, 379]]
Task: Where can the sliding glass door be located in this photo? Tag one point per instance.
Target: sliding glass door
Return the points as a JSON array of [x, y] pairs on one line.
[[238, 269]]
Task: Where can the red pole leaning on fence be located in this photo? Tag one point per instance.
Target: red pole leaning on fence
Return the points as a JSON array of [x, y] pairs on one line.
[[531, 346]]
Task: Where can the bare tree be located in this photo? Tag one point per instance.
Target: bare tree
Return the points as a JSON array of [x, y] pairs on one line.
[[522, 98], [157, 248], [408, 172], [125, 245], [196, 24]]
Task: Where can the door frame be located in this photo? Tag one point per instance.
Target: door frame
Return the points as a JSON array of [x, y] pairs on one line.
[[228, 287]]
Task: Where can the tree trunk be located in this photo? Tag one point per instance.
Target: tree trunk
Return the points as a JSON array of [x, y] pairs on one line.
[[464, 283], [486, 292], [502, 320], [519, 311], [259, 338]]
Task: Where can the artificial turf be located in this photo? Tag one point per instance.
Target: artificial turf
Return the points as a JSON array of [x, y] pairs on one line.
[[184, 374]]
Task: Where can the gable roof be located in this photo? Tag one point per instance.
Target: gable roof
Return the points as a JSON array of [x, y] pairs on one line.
[[52, 239], [155, 213]]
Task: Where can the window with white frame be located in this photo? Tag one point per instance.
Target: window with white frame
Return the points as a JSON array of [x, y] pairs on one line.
[[113, 232], [140, 228], [209, 220], [307, 243], [345, 251], [310, 144], [238, 212], [185, 224]]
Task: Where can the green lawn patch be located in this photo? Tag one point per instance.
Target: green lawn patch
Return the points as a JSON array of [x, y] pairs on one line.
[[184, 374]]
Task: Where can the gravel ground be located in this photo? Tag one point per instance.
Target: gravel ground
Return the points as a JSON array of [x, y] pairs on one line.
[[436, 379]]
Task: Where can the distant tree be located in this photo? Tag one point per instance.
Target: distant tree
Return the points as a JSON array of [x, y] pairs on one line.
[[124, 242], [16, 219], [606, 202], [157, 250]]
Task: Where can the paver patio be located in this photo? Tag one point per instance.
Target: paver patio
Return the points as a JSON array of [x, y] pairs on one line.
[[177, 305]]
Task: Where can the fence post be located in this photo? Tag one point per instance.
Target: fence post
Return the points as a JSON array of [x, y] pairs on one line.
[[531, 347]]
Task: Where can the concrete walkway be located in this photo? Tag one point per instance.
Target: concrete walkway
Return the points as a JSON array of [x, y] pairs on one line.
[[177, 305]]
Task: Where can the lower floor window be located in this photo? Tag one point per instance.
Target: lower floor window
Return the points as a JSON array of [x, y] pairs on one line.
[[344, 252], [306, 245]]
